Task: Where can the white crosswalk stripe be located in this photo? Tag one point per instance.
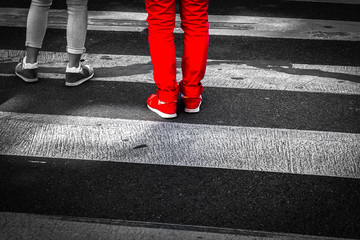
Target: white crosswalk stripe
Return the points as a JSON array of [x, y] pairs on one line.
[[219, 25], [259, 149], [246, 74]]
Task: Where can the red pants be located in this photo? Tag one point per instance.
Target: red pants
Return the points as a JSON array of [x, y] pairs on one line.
[[194, 22]]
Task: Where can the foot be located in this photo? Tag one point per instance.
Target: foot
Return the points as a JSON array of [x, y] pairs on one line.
[[192, 105], [26, 71], [76, 76], [163, 109]]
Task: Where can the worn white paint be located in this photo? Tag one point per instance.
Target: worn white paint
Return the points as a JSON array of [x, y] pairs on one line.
[[247, 148], [257, 74], [32, 226], [219, 24]]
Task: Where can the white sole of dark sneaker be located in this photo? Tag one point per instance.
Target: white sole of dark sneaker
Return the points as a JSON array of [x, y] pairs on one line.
[[161, 114], [28, 80], [74, 84]]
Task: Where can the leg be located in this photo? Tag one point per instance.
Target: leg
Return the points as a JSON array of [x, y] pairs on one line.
[[76, 30], [194, 22], [32, 54], [161, 19], [36, 28], [26, 69]]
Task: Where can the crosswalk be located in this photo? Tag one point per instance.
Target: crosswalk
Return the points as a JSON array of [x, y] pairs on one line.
[[273, 154], [252, 26]]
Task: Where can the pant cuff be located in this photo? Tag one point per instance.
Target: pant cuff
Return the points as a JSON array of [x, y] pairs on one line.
[[191, 91], [75, 50], [168, 96], [33, 45]]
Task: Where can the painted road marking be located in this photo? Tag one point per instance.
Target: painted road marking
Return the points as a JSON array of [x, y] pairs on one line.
[[55, 227], [247, 74], [214, 146], [219, 24]]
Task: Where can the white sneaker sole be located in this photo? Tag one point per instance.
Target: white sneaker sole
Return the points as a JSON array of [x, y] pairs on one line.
[[161, 114], [74, 84], [195, 110], [28, 80]]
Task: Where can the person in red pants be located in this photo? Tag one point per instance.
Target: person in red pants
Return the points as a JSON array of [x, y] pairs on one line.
[[194, 23]]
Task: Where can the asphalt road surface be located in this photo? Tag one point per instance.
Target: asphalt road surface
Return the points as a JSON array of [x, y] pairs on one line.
[[273, 154]]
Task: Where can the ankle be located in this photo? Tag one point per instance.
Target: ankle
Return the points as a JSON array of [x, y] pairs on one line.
[[73, 69], [74, 60], [73, 65], [30, 60], [27, 64]]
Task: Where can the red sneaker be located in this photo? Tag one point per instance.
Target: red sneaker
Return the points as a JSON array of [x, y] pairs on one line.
[[163, 109], [192, 105]]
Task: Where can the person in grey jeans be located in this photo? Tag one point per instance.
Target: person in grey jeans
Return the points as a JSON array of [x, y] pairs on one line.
[[76, 73]]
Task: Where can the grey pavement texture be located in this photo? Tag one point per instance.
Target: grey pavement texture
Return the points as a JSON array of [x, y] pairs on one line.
[[268, 8], [30, 226], [211, 197], [70, 159]]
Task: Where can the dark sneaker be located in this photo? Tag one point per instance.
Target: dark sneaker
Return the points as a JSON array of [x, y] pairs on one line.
[[163, 109], [192, 105], [76, 76], [26, 71]]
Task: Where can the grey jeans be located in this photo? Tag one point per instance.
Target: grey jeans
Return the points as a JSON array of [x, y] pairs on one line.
[[76, 24]]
